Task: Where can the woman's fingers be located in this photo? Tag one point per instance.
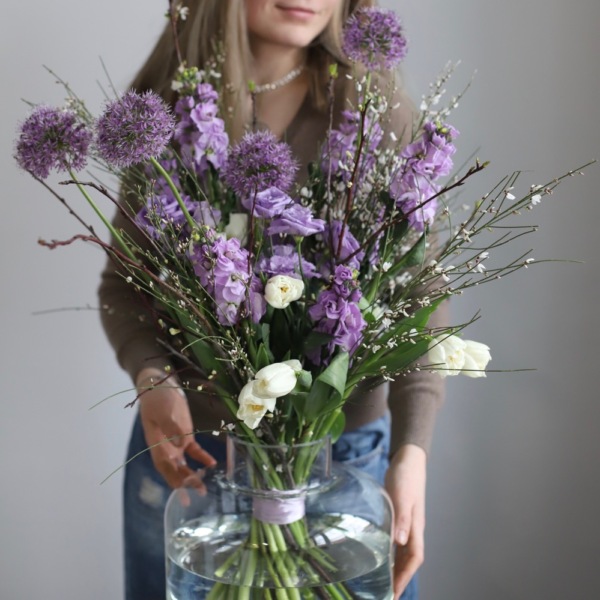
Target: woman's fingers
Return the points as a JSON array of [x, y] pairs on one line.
[[195, 451]]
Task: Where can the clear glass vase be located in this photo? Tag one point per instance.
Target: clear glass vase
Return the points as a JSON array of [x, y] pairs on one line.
[[281, 523]]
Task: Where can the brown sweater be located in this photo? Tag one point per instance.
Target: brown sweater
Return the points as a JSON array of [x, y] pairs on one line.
[[413, 399]]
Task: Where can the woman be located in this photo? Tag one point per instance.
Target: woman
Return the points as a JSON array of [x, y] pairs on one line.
[[284, 47]]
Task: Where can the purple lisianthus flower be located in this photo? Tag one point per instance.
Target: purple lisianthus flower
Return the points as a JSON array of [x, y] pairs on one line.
[[296, 220], [268, 203], [206, 214], [259, 162], [51, 138], [349, 244], [413, 195], [431, 155], [257, 305], [284, 260], [134, 129], [373, 36], [163, 211]]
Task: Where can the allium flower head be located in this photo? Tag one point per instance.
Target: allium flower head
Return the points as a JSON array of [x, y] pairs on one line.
[[134, 128], [259, 162], [51, 138], [373, 36]]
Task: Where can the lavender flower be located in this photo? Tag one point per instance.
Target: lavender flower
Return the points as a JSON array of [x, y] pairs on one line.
[[259, 162], [133, 129], [431, 155], [412, 193], [200, 132], [373, 36], [336, 313], [349, 244], [268, 203], [340, 150], [222, 267], [52, 139], [296, 220]]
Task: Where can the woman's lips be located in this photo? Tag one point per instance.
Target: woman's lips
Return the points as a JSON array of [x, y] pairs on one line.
[[297, 12]]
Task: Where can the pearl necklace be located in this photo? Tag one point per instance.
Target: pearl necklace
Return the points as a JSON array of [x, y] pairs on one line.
[[275, 85]]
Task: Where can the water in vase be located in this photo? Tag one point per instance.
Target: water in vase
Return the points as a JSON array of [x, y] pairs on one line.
[[356, 553]]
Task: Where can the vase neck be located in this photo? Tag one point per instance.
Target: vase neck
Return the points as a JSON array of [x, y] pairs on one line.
[[257, 466]]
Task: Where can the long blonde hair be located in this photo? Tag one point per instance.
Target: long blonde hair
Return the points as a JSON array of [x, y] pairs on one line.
[[212, 22]]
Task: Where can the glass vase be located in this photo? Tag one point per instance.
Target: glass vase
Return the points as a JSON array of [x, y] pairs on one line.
[[279, 523]]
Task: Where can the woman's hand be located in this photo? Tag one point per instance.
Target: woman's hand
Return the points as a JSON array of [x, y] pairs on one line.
[[405, 483], [168, 427]]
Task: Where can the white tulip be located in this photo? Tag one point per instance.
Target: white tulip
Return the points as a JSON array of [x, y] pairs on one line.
[[453, 356], [274, 381], [237, 227], [295, 364], [477, 356], [281, 290], [447, 353], [252, 409]]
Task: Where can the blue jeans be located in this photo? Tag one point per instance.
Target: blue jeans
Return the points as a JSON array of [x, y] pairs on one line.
[[146, 493]]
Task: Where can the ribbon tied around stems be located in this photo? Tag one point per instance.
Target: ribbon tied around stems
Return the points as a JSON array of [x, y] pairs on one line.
[[279, 507]]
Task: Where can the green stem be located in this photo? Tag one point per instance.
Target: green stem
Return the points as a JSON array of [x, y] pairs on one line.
[[116, 235], [176, 193]]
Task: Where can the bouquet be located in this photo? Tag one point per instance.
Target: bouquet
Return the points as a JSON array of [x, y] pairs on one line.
[[285, 298]]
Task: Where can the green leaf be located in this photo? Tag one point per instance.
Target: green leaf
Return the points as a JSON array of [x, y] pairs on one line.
[[327, 392], [263, 357], [338, 427]]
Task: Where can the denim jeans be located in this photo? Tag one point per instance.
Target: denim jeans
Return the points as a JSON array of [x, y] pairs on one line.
[[146, 493]]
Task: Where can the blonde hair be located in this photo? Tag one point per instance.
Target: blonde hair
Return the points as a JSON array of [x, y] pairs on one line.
[[211, 23]]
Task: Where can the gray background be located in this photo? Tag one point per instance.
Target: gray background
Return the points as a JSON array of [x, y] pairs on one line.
[[513, 482]]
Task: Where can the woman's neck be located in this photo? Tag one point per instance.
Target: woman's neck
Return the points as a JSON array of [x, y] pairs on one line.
[[271, 63]]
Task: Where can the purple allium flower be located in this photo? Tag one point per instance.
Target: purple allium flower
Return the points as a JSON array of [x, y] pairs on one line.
[[51, 138], [373, 36], [296, 220], [431, 155], [259, 162], [284, 260], [336, 313], [133, 129], [412, 194], [268, 203], [349, 244]]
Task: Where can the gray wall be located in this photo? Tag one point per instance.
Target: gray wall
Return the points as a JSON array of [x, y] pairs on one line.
[[513, 484]]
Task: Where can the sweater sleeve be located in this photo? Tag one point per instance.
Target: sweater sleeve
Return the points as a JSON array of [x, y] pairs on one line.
[[415, 398]]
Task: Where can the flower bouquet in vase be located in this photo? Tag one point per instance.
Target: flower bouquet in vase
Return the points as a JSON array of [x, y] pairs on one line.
[[284, 300]]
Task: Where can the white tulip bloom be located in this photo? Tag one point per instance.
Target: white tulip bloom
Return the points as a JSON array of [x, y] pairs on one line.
[[447, 354], [252, 409], [295, 364], [274, 381], [453, 356], [477, 356], [237, 227], [281, 290]]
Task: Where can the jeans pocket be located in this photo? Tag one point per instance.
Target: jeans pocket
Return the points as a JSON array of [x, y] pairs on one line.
[[366, 448]]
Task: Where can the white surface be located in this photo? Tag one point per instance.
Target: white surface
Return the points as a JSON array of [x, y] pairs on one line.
[[513, 485]]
